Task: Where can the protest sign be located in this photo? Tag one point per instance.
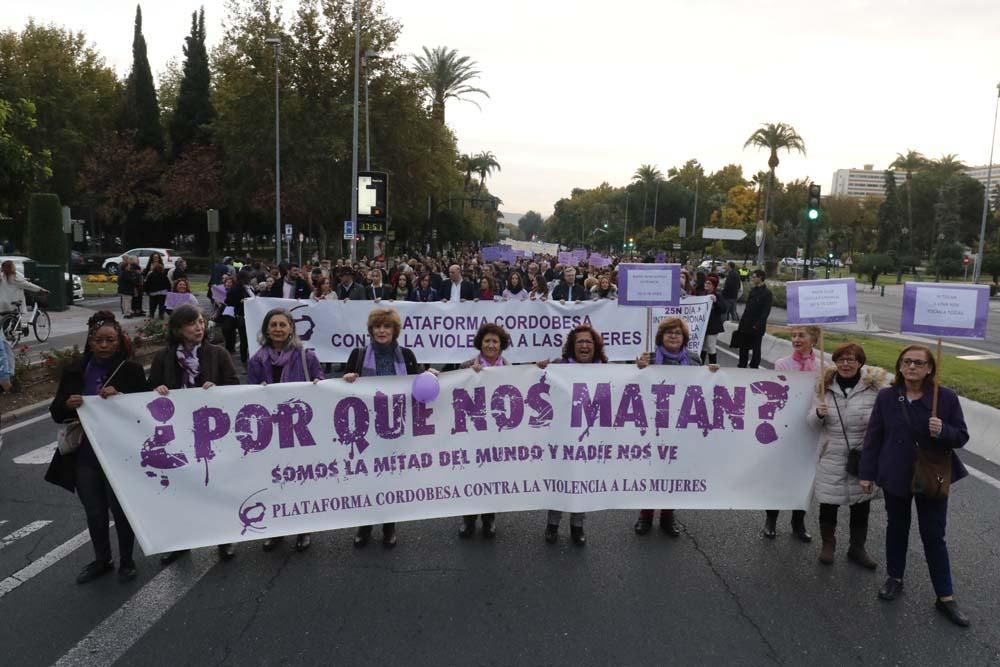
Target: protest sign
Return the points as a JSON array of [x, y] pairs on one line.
[[177, 299], [444, 332], [694, 310], [229, 464], [491, 253], [648, 284], [942, 309], [218, 293], [822, 301]]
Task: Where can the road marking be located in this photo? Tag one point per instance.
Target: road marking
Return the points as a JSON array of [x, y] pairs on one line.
[[121, 630], [26, 422], [980, 475], [45, 562], [3, 521], [978, 357], [37, 457], [23, 532]]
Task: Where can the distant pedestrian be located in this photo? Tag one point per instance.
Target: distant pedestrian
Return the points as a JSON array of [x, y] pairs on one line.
[[731, 293], [753, 323], [874, 277]]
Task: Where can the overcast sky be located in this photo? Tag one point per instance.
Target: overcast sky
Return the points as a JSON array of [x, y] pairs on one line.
[[585, 91]]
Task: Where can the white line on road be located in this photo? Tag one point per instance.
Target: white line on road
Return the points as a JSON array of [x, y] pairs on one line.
[[980, 475], [37, 457], [978, 357], [26, 422], [23, 532], [121, 630], [45, 562]]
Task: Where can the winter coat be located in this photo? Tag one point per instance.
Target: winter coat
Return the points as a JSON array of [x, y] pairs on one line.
[[755, 314], [259, 368], [715, 325], [887, 458], [833, 485], [214, 365]]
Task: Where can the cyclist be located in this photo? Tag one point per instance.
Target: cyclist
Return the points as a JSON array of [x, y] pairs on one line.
[[13, 286]]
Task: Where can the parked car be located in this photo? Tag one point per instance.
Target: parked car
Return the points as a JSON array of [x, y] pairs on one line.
[[142, 254], [19, 261], [86, 263]]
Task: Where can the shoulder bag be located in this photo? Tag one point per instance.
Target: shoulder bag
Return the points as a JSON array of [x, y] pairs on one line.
[[853, 466], [931, 468]]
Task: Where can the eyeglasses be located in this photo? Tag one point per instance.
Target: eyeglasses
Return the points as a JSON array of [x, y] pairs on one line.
[[847, 360], [673, 332], [916, 363]]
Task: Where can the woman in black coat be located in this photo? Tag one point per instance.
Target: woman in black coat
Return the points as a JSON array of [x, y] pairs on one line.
[[189, 361], [106, 369], [382, 356]]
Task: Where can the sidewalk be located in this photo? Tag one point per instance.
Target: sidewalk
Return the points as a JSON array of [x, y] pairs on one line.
[[981, 420]]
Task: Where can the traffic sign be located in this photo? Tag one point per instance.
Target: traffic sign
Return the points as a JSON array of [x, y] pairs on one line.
[[288, 231], [348, 230], [213, 220]]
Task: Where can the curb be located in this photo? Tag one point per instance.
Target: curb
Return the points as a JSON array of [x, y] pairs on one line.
[[14, 415]]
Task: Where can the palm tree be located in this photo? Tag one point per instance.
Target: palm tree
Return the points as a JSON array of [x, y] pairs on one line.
[[948, 165], [648, 175], [911, 162], [447, 75], [469, 164], [773, 137], [486, 163]]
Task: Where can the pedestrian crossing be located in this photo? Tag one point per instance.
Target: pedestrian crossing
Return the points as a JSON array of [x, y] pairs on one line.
[[22, 532], [37, 457]]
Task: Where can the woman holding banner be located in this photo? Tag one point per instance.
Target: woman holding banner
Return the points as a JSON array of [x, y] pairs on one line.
[[106, 369], [189, 361], [671, 343], [491, 340], [515, 288], [539, 288], [850, 388], [802, 359], [282, 358], [915, 427], [179, 295], [584, 345], [715, 327], [382, 356]]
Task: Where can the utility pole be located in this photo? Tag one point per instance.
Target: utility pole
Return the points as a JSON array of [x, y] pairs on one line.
[[276, 43], [354, 151]]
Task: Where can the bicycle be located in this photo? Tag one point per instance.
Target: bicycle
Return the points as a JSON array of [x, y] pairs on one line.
[[14, 326]]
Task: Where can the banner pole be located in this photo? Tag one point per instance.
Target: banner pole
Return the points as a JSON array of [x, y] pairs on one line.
[[822, 393], [937, 379], [649, 329]]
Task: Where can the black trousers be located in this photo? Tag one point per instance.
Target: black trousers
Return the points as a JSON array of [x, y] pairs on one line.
[[798, 516], [136, 302], [98, 498], [228, 325], [932, 518], [750, 350], [157, 302], [241, 329], [859, 513]]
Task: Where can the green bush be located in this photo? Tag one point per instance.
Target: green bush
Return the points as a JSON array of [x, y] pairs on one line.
[[46, 243], [779, 296]]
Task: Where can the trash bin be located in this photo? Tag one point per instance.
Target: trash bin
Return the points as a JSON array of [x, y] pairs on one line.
[[53, 278]]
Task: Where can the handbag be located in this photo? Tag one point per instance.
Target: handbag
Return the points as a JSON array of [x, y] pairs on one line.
[[853, 465], [736, 339], [931, 468]]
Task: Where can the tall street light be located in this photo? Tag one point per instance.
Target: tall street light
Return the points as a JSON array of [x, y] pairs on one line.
[[986, 196], [369, 55], [354, 151], [276, 43]]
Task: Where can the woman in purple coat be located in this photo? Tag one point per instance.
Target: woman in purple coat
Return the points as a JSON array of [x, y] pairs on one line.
[[282, 358], [900, 422]]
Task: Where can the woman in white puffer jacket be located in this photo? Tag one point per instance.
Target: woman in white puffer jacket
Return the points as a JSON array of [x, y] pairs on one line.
[[852, 387]]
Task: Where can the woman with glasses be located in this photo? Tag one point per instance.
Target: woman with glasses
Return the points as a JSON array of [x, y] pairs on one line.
[[671, 349], [849, 390], [902, 421]]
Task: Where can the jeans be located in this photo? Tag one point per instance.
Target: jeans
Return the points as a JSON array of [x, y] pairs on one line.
[[729, 310], [750, 348], [97, 498], [932, 518]]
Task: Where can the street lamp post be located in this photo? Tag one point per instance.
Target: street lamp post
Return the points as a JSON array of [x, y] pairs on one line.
[[625, 230], [354, 151], [369, 54], [986, 196], [276, 43]]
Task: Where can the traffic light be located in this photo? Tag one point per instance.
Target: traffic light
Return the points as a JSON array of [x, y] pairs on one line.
[[812, 208]]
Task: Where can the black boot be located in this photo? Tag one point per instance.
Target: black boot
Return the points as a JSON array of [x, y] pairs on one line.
[[856, 552], [468, 528], [578, 536], [704, 355], [713, 358], [799, 526], [667, 523], [362, 537], [770, 524]]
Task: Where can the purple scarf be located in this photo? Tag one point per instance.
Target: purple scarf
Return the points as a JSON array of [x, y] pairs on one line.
[[283, 360], [189, 363], [486, 364], [368, 367], [677, 358]]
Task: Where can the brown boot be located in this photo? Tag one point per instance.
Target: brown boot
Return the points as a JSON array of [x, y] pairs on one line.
[[829, 535], [856, 552]]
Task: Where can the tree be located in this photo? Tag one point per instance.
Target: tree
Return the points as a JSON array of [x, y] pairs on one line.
[[193, 111], [889, 229], [446, 75], [947, 166], [142, 111], [46, 241], [21, 169], [530, 224], [774, 137], [947, 256], [910, 162], [486, 162], [648, 176]]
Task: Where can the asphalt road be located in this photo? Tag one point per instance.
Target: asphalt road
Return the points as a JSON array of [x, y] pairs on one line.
[[718, 595]]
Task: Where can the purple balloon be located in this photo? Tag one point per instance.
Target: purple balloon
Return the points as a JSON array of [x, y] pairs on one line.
[[426, 387]]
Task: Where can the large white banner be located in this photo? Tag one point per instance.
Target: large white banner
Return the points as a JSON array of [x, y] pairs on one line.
[[441, 333], [202, 467]]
